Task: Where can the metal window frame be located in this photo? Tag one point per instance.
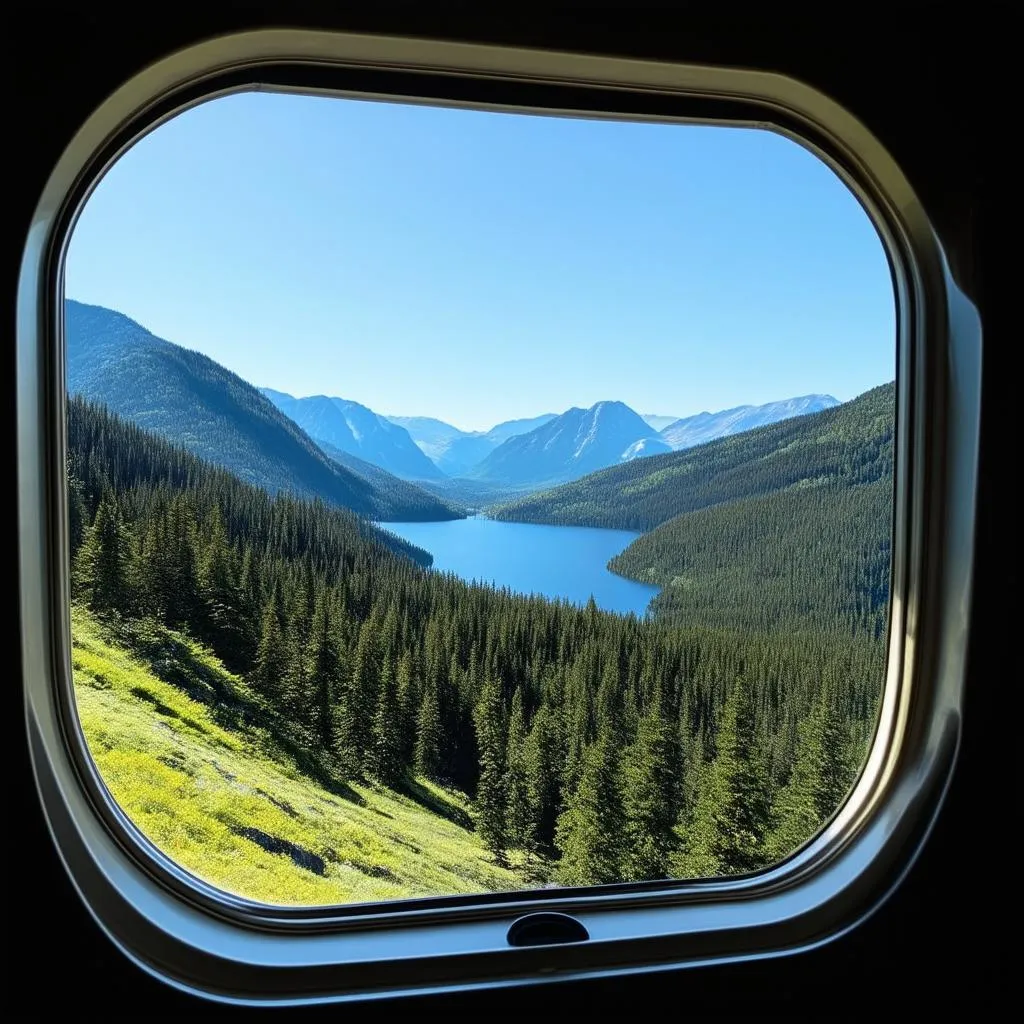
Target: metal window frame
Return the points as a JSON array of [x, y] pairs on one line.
[[211, 943]]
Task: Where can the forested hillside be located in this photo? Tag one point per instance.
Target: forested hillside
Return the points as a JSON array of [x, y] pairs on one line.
[[846, 446], [599, 747], [189, 752], [813, 557], [189, 399], [782, 529]]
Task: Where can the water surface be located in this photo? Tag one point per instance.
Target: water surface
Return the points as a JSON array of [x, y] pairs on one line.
[[557, 561]]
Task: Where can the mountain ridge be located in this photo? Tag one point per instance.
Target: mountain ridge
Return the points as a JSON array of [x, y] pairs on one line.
[[643, 493], [354, 428], [191, 400], [577, 442], [708, 426]]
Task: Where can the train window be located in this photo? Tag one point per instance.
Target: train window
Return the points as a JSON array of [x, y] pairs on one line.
[[482, 510]]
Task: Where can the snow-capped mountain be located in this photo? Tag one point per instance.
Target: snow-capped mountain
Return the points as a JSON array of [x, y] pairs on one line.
[[706, 426], [578, 442]]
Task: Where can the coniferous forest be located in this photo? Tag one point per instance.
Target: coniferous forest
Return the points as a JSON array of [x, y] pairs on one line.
[[712, 737]]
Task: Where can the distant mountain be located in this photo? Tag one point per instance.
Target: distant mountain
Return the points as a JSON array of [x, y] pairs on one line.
[[402, 491], [656, 421], [568, 446], [431, 436], [192, 401], [849, 444], [359, 431], [706, 426], [456, 451], [513, 428]]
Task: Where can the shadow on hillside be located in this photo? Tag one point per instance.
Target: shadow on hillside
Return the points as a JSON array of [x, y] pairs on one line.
[[436, 803], [233, 707]]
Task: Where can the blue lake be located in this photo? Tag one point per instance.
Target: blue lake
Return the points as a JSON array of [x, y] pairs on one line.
[[557, 561]]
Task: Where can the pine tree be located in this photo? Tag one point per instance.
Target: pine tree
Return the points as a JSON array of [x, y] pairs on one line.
[[491, 787], [218, 592], [182, 603], [589, 831], [76, 516], [271, 656], [408, 704], [297, 692], [103, 567], [325, 674], [543, 779], [822, 772], [386, 751], [428, 735], [359, 700], [651, 797], [727, 831], [517, 795]]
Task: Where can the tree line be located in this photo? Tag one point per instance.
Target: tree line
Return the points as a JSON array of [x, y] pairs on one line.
[[603, 747]]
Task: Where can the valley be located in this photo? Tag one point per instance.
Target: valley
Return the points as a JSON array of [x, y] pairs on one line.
[[314, 665]]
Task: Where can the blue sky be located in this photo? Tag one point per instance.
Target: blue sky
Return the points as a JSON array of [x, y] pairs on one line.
[[481, 266]]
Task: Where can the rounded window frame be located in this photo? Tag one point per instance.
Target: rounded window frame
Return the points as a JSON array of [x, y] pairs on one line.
[[212, 943]]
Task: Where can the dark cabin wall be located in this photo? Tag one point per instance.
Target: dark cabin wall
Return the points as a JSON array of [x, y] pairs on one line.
[[924, 88]]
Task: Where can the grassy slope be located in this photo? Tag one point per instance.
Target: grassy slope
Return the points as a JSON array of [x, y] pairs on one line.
[[192, 785]]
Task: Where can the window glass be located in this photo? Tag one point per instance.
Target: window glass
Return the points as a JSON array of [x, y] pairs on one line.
[[466, 502]]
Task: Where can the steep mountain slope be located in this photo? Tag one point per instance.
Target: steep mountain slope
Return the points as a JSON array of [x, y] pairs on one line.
[[707, 426], [456, 451], [189, 399], [403, 492], [125, 456], [569, 446], [850, 442], [432, 436], [815, 555], [178, 739], [357, 430]]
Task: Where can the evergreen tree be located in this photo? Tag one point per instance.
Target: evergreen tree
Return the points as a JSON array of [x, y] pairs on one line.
[[822, 772], [651, 797], [518, 810], [491, 788], [543, 759], [589, 831], [271, 656], [76, 516], [218, 592], [429, 738], [727, 831], [360, 699], [408, 703], [103, 567], [297, 692], [386, 753], [325, 673], [182, 604]]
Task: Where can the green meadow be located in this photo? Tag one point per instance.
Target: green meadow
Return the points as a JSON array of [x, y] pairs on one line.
[[224, 802]]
